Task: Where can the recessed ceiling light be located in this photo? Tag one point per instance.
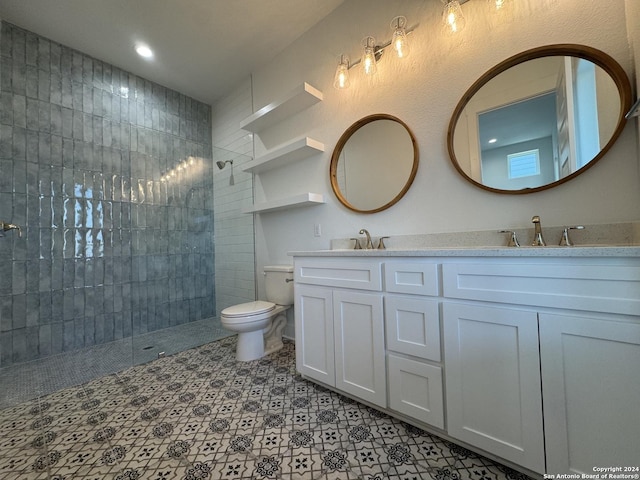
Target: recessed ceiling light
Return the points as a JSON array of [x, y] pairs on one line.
[[493, 140], [144, 51]]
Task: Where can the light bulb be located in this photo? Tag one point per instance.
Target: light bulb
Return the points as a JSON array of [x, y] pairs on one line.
[[341, 79], [369, 55], [452, 16], [399, 39]]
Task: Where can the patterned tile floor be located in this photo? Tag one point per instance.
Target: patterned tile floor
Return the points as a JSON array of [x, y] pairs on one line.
[[199, 414]]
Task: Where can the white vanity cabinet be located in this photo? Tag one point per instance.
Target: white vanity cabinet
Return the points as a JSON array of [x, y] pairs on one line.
[[531, 356], [344, 317], [558, 334], [340, 331]]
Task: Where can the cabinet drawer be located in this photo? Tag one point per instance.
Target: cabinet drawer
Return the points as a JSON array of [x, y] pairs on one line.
[[418, 278], [413, 326], [415, 389], [597, 288], [362, 274]]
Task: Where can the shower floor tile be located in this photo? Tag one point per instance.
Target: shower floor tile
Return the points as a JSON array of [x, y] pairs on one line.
[[22, 382], [199, 414]]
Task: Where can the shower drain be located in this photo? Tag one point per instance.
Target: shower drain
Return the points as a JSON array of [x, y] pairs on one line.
[[149, 347]]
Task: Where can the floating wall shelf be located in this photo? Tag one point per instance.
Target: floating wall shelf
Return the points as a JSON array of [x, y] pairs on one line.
[[301, 97], [302, 200], [284, 154]]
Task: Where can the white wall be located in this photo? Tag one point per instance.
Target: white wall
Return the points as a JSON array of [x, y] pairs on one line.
[[423, 91]]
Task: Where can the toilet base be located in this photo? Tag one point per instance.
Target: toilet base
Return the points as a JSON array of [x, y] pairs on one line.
[[250, 346], [273, 336], [255, 344]]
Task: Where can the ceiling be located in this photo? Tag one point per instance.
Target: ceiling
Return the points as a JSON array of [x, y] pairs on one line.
[[519, 122], [203, 48]]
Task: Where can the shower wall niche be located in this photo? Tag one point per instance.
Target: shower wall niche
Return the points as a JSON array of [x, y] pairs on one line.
[[110, 176]]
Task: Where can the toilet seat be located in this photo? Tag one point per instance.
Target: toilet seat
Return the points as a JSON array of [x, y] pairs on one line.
[[248, 312], [249, 308]]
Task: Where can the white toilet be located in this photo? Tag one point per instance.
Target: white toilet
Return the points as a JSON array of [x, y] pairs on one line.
[[259, 324]]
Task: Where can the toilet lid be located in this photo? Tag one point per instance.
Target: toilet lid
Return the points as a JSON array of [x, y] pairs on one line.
[[249, 308]]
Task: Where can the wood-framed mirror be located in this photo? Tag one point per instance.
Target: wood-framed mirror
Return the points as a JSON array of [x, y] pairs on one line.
[[374, 163], [539, 118]]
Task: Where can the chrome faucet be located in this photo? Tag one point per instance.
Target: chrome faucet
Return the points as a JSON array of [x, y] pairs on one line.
[[538, 241], [369, 244]]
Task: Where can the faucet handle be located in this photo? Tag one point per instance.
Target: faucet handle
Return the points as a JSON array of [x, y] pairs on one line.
[[357, 245], [381, 245], [565, 241], [513, 239]]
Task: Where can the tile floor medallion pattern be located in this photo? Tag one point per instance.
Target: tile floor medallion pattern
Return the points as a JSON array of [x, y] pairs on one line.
[[199, 414]]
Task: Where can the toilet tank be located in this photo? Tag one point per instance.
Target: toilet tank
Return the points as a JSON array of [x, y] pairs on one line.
[[278, 290]]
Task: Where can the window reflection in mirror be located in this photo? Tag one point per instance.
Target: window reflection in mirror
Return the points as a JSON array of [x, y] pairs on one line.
[[568, 108]]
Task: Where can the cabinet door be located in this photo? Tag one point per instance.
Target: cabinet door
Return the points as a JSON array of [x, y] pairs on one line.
[[591, 387], [313, 307], [359, 345], [415, 389], [492, 373]]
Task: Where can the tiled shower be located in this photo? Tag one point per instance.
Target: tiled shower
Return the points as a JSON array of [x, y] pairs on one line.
[[110, 178]]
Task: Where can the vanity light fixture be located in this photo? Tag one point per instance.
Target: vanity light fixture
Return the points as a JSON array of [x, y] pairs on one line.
[[399, 39], [144, 50], [341, 79], [452, 18], [370, 55]]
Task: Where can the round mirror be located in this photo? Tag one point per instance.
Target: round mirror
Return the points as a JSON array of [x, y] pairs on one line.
[[374, 163], [539, 118]]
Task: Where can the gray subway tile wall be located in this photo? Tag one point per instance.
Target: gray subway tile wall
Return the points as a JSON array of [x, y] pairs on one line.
[[110, 177]]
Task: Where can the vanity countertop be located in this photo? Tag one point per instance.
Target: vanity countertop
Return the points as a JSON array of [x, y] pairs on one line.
[[493, 251]]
